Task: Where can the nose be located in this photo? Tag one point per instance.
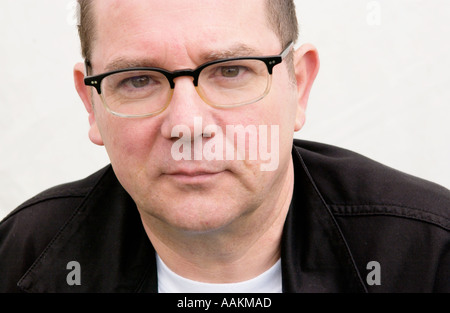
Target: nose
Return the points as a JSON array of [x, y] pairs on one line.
[[185, 110]]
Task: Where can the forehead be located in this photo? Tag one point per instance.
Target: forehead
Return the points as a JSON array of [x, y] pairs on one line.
[[179, 28]]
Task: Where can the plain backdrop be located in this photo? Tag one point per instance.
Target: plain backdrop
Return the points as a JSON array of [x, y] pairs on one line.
[[383, 89]]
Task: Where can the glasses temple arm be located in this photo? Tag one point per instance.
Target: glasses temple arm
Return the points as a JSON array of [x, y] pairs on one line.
[[287, 50]]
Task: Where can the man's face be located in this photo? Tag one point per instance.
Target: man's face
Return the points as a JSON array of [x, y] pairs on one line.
[[192, 195]]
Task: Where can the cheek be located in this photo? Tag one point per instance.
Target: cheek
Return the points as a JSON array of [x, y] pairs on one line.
[[128, 142], [281, 114]]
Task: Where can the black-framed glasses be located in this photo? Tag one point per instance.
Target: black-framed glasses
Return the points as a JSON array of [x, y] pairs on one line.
[[224, 83]]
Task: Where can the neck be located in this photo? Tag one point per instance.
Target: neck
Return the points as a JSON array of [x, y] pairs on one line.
[[237, 252]]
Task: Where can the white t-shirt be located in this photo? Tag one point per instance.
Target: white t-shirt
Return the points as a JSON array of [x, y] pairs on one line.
[[267, 282]]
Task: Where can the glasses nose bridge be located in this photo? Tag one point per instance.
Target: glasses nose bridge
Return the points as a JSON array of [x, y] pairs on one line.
[[180, 73]]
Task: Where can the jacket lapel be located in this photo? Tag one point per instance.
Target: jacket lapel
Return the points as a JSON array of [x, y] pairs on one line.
[[315, 256]]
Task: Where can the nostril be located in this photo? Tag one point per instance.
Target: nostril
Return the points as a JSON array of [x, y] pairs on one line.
[[211, 130]]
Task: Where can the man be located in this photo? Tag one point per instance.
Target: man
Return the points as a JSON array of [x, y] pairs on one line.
[[196, 105]]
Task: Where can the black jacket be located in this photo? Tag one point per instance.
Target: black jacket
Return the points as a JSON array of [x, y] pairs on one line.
[[346, 211]]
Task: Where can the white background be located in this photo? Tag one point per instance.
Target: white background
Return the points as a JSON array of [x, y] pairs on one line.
[[383, 89]]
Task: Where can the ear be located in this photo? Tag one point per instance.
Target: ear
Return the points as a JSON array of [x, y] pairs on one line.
[[85, 94], [306, 65]]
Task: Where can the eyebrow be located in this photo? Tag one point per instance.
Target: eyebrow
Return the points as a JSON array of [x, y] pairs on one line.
[[123, 62], [237, 50]]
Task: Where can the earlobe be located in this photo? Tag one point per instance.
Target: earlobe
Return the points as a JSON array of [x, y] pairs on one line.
[[306, 65], [300, 119], [85, 95], [94, 132]]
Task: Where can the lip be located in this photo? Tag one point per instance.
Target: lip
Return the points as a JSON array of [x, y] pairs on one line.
[[193, 176]]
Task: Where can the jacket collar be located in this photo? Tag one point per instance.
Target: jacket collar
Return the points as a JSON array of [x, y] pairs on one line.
[[105, 236]]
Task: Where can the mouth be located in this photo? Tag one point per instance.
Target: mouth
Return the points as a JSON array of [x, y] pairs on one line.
[[193, 176]]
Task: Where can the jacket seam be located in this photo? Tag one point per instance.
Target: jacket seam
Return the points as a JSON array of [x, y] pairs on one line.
[[38, 201], [425, 216], [393, 205]]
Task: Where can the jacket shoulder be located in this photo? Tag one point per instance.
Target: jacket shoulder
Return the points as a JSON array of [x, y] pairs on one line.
[[27, 230], [399, 221], [71, 190], [354, 184]]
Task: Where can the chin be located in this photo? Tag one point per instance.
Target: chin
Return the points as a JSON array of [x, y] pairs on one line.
[[199, 208], [207, 218], [197, 216]]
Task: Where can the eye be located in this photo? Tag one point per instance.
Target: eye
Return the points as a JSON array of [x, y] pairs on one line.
[[231, 71], [137, 81]]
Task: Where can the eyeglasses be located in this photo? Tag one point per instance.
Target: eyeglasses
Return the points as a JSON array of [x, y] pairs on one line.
[[224, 83]]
